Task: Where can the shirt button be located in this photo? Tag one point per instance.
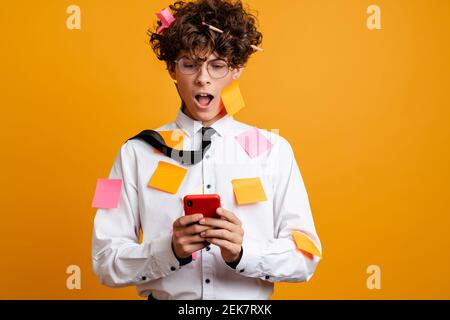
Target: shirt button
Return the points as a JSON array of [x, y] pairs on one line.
[[208, 186], [207, 156], [208, 248], [207, 281], [173, 268], [267, 277], [144, 278], [242, 270]]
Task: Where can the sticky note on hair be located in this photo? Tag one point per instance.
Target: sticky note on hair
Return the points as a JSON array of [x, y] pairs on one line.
[[107, 193], [174, 139], [232, 98], [248, 191], [167, 177], [306, 242], [254, 143], [166, 19]]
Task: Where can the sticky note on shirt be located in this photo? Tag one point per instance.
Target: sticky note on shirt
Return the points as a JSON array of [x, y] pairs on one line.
[[248, 191], [306, 242], [174, 139], [194, 255], [167, 177], [107, 193], [232, 98], [254, 143]]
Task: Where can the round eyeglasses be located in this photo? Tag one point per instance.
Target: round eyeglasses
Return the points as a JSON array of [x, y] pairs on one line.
[[217, 69]]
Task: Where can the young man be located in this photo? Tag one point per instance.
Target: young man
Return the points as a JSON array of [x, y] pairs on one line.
[[242, 254]]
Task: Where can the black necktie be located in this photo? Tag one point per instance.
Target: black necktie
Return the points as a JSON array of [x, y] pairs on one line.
[[186, 157]]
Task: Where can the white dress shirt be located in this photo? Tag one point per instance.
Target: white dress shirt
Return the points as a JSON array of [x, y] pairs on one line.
[[269, 252]]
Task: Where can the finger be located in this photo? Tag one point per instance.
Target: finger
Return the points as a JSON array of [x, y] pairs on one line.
[[221, 234], [228, 215], [196, 247], [188, 240], [191, 230], [220, 224], [187, 220], [222, 243]]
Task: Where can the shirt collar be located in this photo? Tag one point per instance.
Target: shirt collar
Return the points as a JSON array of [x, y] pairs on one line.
[[191, 127]]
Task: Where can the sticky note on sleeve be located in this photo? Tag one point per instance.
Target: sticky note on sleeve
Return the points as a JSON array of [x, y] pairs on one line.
[[232, 98], [167, 177], [254, 143], [248, 191], [107, 193], [306, 242]]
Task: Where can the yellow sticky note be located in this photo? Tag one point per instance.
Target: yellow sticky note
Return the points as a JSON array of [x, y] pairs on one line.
[[248, 191], [305, 243], [232, 98], [167, 177], [174, 139]]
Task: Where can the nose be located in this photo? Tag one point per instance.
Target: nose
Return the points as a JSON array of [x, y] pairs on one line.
[[203, 76]]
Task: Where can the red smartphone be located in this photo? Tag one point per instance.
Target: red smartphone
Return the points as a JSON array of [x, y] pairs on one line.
[[205, 204]]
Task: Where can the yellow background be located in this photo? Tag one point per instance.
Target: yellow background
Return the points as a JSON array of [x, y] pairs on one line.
[[367, 113]]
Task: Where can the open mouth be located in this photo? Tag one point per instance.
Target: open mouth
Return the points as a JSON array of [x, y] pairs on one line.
[[204, 100]]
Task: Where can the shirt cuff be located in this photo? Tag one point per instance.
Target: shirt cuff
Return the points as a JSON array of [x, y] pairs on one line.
[[249, 265], [161, 252], [182, 261], [233, 265]]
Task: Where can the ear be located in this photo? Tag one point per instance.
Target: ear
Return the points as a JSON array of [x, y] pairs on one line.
[[171, 70], [237, 73]]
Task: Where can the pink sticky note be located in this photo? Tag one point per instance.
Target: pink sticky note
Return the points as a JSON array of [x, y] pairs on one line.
[[107, 193], [166, 19], [194, 255], [253, 142]]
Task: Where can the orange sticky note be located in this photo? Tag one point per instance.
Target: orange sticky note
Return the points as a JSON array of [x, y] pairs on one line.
[[248, 191], [174, 139], [167, 177], [305, 243], [232, 98]]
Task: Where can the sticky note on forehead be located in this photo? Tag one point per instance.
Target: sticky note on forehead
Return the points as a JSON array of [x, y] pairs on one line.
[[305, 242], [174, 139], [107, 193], [167, 177], [254, 143], [232, 98], [248, 191]]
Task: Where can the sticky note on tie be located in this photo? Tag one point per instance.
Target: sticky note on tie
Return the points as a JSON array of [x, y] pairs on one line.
[[306, 242], [107, 193], [174, 139], [254, 143], [167, 177], [232, 98], [248, 191], [166, 19]]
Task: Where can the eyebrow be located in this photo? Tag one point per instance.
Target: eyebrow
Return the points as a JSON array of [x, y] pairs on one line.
[[213, 60]]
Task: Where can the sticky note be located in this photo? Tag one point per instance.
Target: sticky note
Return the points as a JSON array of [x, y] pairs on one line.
[[174, 139], [254, 143], [167, 177], [232, 98], [194, 255], [305, 242], [248, 191], [107, 193], [166, 19]]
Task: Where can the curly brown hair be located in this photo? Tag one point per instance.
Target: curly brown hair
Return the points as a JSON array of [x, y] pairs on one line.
[[188, 33]]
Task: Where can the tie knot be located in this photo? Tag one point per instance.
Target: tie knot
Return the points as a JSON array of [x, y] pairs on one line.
[[207, 133]]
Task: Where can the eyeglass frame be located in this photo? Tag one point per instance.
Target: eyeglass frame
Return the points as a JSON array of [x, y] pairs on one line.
[[207, 67]]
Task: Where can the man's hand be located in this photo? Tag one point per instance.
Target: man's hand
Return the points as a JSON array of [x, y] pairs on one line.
[[226, 232], [186, 237]]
